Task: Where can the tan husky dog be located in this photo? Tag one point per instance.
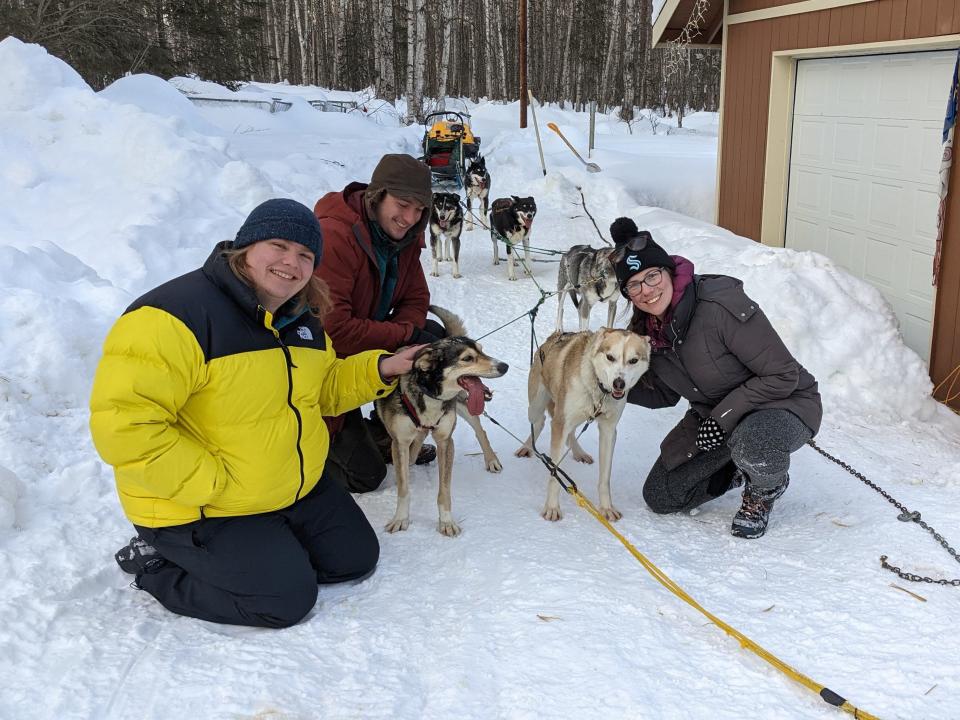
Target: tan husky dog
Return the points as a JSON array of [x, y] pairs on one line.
[[578, 377], [443, 383]]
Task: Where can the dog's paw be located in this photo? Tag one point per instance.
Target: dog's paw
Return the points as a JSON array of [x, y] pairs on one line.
[[397, 524], [434, 273], [523, 451], [448, 528], [611, 513], [527, 272], [457, 275], [469, 228], [551, 513], [496, 262], [493, 464], [512, 278], [583, 457]]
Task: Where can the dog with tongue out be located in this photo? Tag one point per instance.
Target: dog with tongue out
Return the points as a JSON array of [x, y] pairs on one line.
[[444, 382]]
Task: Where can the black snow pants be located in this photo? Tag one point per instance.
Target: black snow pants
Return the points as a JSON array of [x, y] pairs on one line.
[[262, 570], [760, 447]]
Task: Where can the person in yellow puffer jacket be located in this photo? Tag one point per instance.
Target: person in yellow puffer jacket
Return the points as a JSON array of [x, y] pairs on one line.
[[208, 402]]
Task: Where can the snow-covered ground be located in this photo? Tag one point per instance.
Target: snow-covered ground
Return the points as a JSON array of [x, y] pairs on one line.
[[108, 194]]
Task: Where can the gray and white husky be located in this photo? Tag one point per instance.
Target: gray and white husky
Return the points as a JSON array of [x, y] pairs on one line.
[[587, 275]]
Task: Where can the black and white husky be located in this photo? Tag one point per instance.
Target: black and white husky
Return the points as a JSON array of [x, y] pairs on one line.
[[587, 275], [446, 219], [510, 222], [477, 186]]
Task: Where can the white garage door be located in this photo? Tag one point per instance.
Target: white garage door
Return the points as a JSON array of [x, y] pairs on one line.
[[864, 173]]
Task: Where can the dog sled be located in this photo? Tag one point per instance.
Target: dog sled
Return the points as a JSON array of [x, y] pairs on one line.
[[448, 143]]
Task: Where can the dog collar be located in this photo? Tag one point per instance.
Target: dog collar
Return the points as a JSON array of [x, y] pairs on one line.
[[412, 412]]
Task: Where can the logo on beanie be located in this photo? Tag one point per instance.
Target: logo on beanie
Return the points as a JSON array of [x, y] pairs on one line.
[[304, 333], [633, 262]]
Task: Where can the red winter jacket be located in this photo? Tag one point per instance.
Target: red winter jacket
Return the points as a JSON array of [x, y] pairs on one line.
[[349, 267]]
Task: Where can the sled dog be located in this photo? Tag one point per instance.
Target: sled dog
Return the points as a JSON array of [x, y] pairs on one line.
[[576, 377], [588, 276], [446, 219], [510, 222], [443, 383], [477, 186]]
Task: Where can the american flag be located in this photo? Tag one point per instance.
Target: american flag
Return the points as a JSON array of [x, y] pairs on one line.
[[949, 124]]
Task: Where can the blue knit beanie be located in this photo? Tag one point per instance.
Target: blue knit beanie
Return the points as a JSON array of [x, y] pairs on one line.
[[284, 219]]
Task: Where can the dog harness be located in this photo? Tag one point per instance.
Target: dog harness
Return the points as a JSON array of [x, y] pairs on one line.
[[412, 412]]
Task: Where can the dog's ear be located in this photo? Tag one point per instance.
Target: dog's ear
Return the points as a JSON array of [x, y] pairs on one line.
[[423, 360], [515, 198]]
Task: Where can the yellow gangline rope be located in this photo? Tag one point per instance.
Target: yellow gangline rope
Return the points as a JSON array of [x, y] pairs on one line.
[[825, 693]]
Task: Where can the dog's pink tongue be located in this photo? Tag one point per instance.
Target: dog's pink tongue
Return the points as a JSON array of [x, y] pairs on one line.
[[476, 393]]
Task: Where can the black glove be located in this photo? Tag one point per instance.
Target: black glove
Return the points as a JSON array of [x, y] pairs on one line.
[[421, 337], [710, 435]]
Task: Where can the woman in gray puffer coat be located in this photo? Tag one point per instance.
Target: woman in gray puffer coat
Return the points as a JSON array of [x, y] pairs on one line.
[[751, 403]]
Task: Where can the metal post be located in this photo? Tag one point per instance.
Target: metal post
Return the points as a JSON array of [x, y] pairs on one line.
[[593, 127], [522, 42], [536, 127]]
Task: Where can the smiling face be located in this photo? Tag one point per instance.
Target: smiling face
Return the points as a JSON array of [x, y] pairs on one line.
[[278, 270], [397, 215], [651, 298]]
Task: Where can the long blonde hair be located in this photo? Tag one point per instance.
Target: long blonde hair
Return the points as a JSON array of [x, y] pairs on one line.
[[314, 297]]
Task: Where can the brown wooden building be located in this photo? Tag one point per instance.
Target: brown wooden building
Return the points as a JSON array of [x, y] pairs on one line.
[[830, 140]]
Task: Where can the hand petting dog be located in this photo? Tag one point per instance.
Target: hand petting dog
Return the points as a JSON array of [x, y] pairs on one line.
[[400, 363]]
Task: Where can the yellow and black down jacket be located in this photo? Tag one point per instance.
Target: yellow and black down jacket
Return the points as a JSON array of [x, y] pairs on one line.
[[205, 410]]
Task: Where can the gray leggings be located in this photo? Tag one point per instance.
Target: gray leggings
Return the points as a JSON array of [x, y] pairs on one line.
[[760, 446]]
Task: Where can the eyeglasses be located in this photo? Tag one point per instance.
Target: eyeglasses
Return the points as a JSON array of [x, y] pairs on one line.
[[651, 279]]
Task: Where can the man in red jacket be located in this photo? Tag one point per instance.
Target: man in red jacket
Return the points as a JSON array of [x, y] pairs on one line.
[[373, 234]]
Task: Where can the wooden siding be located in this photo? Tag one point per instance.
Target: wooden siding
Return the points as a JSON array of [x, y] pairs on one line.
[[746, 100], [741, 6]]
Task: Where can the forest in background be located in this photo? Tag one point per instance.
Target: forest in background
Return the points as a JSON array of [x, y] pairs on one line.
[[578, 51]]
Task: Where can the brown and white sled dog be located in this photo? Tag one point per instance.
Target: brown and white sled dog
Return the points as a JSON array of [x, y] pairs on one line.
[[443, 383], [576, 377], [446, 219]]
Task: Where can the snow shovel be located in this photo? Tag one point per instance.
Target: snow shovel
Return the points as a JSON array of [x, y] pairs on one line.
[[591, 167]]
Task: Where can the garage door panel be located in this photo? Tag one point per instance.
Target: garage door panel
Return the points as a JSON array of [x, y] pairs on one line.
[[930, 152], [918, 287], [844, 198], [810, 186], [881, 262], [808, 235], [889, 151], [886, 211], [916, 331], [814, 141], [848, 140], [925, 217], [864, 173], [845, 248]]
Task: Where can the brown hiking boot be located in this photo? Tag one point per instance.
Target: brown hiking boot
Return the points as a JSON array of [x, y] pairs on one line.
[[751, 519]]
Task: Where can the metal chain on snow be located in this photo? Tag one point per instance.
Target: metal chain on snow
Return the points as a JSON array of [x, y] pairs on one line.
[[904, 516]]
